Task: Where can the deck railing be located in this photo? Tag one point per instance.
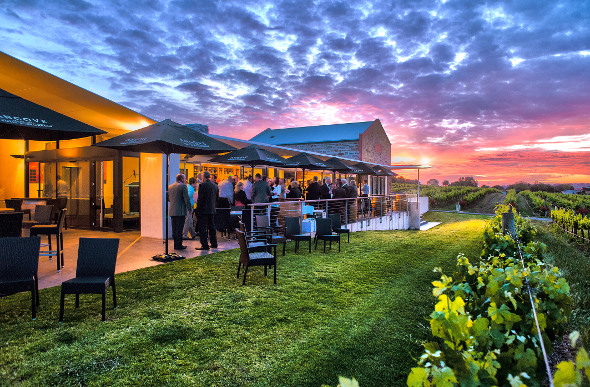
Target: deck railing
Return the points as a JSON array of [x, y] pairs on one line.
[[359, 212]]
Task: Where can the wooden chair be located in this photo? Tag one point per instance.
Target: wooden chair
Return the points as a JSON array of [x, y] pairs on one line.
[[337, 226], [49, 230], [11, 224], [324, 232], [256, 256], [19, 261], [293, 231], [95, 271]]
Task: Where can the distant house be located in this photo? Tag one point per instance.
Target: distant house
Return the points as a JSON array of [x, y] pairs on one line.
[[365, 141]]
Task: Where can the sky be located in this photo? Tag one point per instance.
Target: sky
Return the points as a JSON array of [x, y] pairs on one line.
[[498, 90]]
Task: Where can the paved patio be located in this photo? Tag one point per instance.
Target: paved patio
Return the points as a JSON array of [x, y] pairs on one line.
[[135, 252]]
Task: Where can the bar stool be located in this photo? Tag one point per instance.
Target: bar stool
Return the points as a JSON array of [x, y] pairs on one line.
[[49, 230]]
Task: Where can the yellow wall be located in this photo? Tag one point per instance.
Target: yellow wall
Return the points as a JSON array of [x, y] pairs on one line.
[[12, 171]]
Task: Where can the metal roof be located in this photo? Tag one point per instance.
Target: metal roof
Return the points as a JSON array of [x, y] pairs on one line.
[[313, 134]]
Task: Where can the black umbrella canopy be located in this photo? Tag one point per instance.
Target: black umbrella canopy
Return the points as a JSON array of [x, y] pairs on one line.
[[380, 171], [167, 137], [362, 169], [25, 120], [305, 161], [337, 165], [250, 155]]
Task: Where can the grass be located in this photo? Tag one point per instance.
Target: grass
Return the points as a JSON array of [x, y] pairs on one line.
[[361, 313], [574, 263]]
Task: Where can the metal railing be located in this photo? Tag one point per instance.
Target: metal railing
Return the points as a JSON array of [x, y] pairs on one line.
[[359, 211]]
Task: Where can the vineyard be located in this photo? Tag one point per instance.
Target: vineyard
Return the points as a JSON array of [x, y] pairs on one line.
[[444, 196], [484, 321]]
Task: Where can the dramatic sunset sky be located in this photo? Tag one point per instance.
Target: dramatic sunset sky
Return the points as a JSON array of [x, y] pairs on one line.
[[499, 90]]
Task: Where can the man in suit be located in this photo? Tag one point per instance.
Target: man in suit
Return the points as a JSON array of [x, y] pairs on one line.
[[180, 205], [339, 192], [206, 207], [260, 190], [313, 190], [325, 188]]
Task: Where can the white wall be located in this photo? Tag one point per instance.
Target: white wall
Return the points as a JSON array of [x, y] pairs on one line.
[[153, 192]]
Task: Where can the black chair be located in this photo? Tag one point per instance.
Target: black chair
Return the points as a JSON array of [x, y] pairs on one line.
[[19, 261], [337, 226], [263, 224], [95, 272], [43, 215], [16, 205], [256, 256], [324, 232], [293, 231], [221, 221], [49, 230], [11, 224]]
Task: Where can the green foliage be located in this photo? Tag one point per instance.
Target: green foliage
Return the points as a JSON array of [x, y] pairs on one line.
[[571, 373], [483, 317], [191, 322], [511, 198], [567, 219]]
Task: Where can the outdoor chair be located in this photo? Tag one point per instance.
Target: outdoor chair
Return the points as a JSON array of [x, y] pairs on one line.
[[19, 260], [43, 215], [95, 272], [337, 226], [293, 231], [256, 256], [263, 224], [16, 205], [49, 230], [58, 204], [324, 232], [221, 221], [11, 224], [255, 238]]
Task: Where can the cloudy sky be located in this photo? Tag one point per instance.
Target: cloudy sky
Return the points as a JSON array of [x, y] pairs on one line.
[[499, 90]]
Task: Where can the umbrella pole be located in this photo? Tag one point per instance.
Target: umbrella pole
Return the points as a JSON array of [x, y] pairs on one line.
[[166, 200]]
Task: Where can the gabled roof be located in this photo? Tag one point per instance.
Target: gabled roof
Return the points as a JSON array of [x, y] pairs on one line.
[[313, 134]]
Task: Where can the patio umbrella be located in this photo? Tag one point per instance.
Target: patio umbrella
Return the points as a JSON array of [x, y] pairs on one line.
[[381, 171], [250, 155], [305, 161], [25, 120], [336, 165], [362, 169], [167, 137]]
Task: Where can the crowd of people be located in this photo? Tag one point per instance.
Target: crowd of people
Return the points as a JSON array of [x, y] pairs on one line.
[[193, 205]]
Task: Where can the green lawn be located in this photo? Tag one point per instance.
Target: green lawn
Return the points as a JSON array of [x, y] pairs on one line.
[[361, 313]]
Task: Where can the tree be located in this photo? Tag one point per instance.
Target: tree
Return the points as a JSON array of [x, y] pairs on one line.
[[432, 182], [499, 187], [563, 187], [445, 183], [520, 186], [467, 181]]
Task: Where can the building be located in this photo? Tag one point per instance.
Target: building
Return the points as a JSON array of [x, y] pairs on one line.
[[113, 190], [364, 141]]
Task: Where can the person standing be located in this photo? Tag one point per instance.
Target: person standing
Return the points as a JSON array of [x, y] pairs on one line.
[[260, 190], [325, 189], [180, 205], [248, 187], [226, 190], [365, 190], [313, 190], [189, 226], [206, 208]]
